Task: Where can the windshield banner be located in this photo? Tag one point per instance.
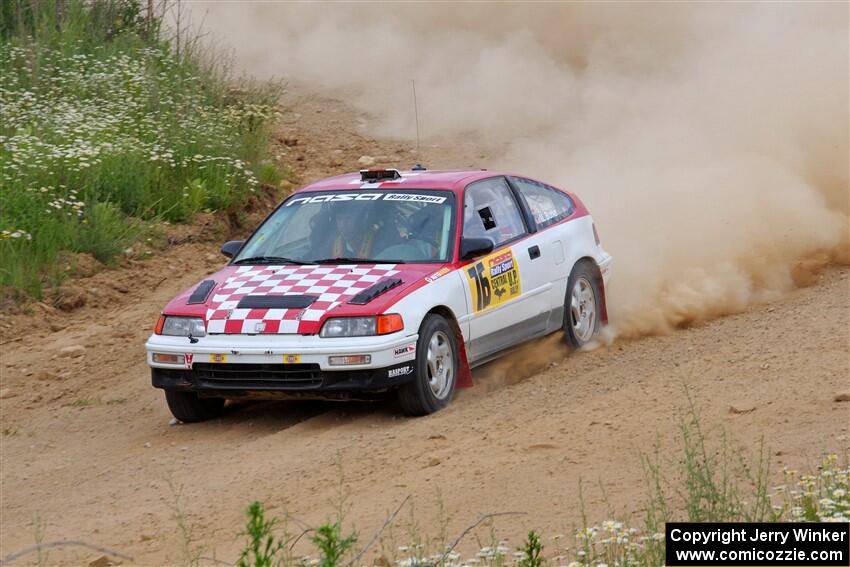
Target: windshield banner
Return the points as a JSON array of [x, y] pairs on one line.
[[336, 197]]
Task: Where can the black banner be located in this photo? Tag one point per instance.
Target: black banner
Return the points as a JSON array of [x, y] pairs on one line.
[[758, 545]]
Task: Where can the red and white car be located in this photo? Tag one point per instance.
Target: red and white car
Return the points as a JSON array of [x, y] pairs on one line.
[[383, 282]]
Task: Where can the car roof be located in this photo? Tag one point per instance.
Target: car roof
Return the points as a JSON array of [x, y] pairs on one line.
[[454, 180]]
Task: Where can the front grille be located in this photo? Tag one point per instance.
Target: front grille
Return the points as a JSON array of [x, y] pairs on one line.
[[257, 376]]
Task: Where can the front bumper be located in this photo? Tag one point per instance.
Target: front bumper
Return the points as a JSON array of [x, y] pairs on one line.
[[289, 380], [272, 365]]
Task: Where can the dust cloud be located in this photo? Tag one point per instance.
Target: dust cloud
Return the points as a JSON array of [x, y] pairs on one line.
[[525, 361], [710, 141]]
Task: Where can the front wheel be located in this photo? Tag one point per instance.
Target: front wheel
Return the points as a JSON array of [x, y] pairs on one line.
[[581, 306], [433, 386], [188, 407]]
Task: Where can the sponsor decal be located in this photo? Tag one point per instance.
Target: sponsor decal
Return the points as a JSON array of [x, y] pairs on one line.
[[493, 280], [438, 274], [337, 197], [543, 210], [334, 198], [400, 371], [260, 327], [291, 358], [405, 350], [218, 358], [414, 198], [189, 356]]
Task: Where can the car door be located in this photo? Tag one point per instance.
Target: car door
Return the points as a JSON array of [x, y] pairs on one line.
[[505, 289], [547, 207]]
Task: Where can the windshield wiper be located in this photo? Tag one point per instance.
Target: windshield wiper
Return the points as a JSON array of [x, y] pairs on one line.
[[270, 260], [349, 260]]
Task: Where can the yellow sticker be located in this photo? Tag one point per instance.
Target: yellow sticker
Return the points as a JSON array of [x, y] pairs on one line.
[[493, 280], [218, 357], [291, 358]]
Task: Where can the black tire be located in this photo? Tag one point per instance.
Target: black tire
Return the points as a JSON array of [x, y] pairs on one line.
[[188, 407], [418, 397], [577, 334]]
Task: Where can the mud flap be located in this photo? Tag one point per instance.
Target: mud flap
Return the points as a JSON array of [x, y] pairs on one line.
[[464, 378], [603, 304]]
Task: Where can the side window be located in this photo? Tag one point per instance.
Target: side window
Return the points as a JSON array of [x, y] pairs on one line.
[[547, 204], [490, 211]]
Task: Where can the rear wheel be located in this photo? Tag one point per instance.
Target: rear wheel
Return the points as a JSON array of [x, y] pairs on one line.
[[581, 306], [188, 407], [436, 369]]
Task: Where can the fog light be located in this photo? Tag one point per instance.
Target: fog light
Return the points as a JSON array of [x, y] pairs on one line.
[[162, 358], [350, 359]]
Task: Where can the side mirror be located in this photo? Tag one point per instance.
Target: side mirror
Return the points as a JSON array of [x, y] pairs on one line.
[[474, 247], [231, 248]]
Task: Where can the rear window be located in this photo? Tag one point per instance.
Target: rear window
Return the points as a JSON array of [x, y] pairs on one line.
[[547, 204]]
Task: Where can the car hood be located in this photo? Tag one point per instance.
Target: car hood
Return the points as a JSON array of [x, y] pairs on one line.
[[293, 299]]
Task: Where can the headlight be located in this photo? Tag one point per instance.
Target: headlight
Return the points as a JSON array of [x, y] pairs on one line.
[[362, 326], [183, 327], [348, 327]]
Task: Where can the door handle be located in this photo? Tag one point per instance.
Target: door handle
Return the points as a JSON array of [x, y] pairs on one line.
[[534, 252]]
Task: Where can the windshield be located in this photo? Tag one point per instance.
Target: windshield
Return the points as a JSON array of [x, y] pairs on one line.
[[356, 226]]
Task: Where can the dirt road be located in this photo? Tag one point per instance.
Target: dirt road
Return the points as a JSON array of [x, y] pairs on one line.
[[88, 453]]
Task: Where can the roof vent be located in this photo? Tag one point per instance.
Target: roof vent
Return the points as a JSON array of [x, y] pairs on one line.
[[378, 175]]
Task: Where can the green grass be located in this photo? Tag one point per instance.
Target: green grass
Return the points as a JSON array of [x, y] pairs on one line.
[[104, 129]]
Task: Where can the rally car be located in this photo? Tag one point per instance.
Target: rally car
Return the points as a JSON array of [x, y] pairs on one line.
[[383, 282]]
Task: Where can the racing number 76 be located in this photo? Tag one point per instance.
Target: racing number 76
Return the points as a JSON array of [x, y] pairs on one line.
[[482, 285]]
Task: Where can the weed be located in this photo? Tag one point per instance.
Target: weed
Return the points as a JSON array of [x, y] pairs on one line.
[[416, 548], [442, 538], [330, 544], [389, 547], [190, 555], [263, 549], [340, 501], [532, 550], [38, 527], [714, 483]]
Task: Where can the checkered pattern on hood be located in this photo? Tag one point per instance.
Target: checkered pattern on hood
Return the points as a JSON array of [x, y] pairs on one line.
[[332, 284]]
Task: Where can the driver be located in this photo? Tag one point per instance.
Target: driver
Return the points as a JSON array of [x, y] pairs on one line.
[[356, 231]]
